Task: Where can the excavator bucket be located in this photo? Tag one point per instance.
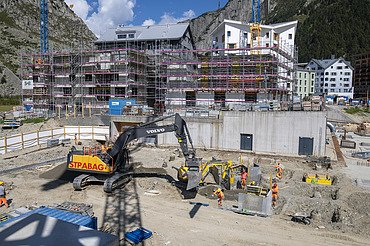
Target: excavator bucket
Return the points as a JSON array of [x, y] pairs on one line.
[[194, 177]]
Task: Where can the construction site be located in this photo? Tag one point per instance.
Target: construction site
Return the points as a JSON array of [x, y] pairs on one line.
[[145, 139]]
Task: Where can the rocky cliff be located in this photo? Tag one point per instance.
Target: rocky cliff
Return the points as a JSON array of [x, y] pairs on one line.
[[239, 10], [325, 27], [19, 30]]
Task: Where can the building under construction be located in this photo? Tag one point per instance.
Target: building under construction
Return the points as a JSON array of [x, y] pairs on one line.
[[159, 67]]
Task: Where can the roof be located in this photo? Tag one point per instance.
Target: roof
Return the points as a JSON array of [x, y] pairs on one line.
[[269, 26], [328, 62], [77, 219], [38, 229], [154, 32]]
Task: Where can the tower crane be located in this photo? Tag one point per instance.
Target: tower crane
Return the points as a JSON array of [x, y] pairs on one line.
[[44, 26]]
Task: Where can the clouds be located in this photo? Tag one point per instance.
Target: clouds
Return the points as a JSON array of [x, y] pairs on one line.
[[80, 7], [148, 22], [109, 13], [101, 15], [168, 18]]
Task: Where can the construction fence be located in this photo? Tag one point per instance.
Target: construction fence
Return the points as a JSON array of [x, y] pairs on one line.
[[37, 138]]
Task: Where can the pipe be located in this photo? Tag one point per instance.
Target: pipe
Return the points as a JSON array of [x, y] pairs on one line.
[[330, 126]]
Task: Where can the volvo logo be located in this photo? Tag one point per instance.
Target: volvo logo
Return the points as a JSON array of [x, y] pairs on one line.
[[155, 131]]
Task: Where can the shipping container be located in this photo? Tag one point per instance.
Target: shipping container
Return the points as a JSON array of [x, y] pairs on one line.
[[116, 105]]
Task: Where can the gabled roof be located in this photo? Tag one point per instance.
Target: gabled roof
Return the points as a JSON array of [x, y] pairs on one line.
[[328, 62], [154, 32]]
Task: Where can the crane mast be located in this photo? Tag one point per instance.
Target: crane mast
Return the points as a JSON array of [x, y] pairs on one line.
[[44, 26]]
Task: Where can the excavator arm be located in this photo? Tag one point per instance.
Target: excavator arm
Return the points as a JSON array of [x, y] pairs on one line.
[[119, 151]]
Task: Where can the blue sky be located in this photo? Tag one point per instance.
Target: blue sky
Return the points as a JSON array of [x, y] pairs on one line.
[[100, 15]]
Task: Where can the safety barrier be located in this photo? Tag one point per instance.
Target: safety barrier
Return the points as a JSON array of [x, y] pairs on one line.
[[36, 138]]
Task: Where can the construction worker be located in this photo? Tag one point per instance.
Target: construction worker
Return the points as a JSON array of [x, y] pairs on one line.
[[244, 176], [220, 196], [279, 170], [275, 191], [103, 149], [3, 195]]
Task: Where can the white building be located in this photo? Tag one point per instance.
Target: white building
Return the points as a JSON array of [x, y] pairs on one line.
[[305, 82], [333, 77], [276, 40]]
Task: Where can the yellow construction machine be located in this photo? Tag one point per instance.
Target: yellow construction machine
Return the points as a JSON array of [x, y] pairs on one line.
[[223, 172], [111, 166]]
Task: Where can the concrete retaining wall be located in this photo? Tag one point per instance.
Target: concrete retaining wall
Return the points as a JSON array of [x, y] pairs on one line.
[[275, 132]]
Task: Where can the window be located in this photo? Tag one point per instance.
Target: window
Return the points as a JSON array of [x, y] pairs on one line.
[[300, 89], [339, 67], [190, 97], [326, 73], [326, 90], [332, 79], [339, 90], [305, 89], [268, 35], [312, 76], [331, 90], [290, 36], [131, 35], [229, 33], [326, 84], [345, 66], [345, 90], [121, 36], [120, 91], [231, 46], [333, 73], [332, 85], [267, 44], [299, 75], [88, 77], [347, 73], [223, 38], [346, 85], [67, 91], [288, 85], [326, 79], [305, 75], [346, 79], [216, 39], [305, 82], [300, 82]]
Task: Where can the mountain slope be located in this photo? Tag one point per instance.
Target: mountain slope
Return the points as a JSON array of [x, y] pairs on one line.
[[339, 27], [19, 30], [325, 27]]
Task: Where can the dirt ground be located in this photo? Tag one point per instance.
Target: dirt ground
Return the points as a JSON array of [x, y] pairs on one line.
[[340, 213]]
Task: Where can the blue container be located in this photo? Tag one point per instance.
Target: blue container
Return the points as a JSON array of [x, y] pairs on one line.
[[28, 107], [77, 219], [116, 105]]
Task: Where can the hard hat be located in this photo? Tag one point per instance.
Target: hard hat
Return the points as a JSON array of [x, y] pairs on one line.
[[1, 182], [253, 183], [218, 190]]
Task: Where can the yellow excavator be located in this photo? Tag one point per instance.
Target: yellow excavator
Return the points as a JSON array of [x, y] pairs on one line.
[[223, 172], [111, 166]]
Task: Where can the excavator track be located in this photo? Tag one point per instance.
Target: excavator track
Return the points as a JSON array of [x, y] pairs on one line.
[[116, 181], [81, 181]]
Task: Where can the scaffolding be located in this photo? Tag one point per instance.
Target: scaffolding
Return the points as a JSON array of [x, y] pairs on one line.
[[226, 76], [160, 75]]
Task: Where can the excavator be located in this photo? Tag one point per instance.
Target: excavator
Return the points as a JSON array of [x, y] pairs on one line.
[[111, 166]]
